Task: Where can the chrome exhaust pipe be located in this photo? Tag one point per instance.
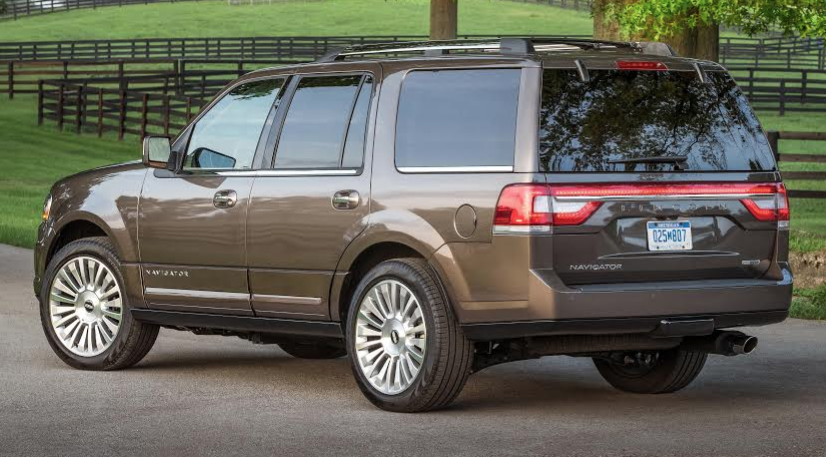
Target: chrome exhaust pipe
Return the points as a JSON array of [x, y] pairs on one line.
[[726, 343], [743, 344]]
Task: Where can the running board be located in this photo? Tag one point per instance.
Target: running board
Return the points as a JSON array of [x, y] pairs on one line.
[[251, 324]]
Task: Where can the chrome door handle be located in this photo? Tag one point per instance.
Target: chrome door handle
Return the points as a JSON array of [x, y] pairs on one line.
[[346, 199], [224, 199]]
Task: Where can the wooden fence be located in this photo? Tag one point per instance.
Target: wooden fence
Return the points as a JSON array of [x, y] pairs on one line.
[[735, 52], [21, 77], [195, 75], [782, 90], [23, 8], [101, 110], [283, 48], [774, 139]]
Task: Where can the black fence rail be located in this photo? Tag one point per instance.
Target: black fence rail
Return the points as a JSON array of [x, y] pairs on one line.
[[22, 8], [101, 110], [735, 52], [137, 104], [578, 5], [205, 76], [283, 48], [774, 139], [783, 90], [21, 77]]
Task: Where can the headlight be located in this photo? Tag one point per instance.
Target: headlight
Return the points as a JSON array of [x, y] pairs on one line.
[[47, 208]]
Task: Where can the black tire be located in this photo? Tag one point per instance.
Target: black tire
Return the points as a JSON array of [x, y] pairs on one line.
[[317, 351], [673, 370], [448, 354], [133, 340]]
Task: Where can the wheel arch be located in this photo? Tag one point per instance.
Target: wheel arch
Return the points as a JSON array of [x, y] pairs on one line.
[[81, 226]]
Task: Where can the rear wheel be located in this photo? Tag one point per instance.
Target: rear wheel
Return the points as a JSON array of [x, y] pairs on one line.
[[406, 349], [652, 372], [85, 312], [318, 350]]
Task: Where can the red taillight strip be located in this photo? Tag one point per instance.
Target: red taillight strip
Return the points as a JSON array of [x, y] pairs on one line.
[[529, 208], [625, 191]]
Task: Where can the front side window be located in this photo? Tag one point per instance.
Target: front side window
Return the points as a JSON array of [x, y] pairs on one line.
[[325, 123], [457, 118], [227, 135]]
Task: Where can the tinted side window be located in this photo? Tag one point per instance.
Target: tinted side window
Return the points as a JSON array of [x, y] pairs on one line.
[[453, 118], [316, 122], [354, 145], [227, 135]]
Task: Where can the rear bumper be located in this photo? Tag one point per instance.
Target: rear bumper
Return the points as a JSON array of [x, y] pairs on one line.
[[649, 325], [553, 308]]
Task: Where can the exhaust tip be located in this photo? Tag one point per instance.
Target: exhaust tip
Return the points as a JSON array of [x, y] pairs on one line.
[[744, 345]]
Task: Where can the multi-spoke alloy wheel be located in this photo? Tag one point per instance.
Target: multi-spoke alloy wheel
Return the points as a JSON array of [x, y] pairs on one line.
[[391, 337], [85, 305]]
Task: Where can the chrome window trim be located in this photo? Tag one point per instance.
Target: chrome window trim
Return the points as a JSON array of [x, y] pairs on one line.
[[321, 172], [286, 299], [469, 169]]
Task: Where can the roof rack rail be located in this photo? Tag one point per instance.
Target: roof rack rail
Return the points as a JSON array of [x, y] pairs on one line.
[[505, 46]]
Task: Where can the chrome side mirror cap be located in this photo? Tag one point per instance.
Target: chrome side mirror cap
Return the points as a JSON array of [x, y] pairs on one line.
[[157, 151]]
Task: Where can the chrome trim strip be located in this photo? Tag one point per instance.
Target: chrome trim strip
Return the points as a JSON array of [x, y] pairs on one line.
[[286, 299], [323, 172], [521, 229], [476, 169], [662, 197], [200, 294]]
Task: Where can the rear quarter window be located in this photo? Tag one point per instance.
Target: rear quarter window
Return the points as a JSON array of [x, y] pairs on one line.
[[457, 118], [618, 119]]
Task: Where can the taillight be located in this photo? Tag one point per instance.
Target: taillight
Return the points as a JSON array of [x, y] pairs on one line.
[[523, 208], [534, 208], [641, 65], [771, 207]]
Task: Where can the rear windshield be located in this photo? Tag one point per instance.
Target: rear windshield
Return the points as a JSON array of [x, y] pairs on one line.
[[619, 120]]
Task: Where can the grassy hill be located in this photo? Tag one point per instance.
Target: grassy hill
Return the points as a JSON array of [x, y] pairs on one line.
[[326, 17]]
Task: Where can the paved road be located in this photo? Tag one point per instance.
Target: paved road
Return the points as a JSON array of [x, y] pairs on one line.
[[209, 395]]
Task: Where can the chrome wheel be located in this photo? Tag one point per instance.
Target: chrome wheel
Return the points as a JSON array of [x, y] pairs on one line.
[[390, 337], [85, 305]]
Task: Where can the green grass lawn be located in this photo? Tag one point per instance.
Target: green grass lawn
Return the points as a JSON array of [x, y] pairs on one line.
[[809, 304], [327, 17], [33, 158]]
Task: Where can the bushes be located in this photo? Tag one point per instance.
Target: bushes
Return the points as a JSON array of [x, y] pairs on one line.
[[3, 7]]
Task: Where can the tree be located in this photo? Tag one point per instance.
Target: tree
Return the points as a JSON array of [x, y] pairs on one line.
[[692, 26], [444, 20]]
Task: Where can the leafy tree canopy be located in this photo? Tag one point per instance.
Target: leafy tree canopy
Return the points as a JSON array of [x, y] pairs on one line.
[[664, 18]]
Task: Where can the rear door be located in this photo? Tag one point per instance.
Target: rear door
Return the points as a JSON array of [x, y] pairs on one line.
[[315, 198], [656, 175]]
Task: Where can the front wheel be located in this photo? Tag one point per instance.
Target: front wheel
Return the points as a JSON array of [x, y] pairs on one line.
[[85, 312], [406, 349], [651, 372]]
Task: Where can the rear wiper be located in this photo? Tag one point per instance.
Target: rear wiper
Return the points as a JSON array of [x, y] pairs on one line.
[[678, 161]]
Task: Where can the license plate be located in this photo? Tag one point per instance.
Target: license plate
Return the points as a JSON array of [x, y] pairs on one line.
[[669, 236]]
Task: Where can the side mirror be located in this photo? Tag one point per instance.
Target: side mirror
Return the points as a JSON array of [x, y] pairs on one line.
[[156, 151]]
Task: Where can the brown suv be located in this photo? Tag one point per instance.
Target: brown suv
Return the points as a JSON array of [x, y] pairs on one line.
[[431, 209]]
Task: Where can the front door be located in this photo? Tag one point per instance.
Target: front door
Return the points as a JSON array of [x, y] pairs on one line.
[[192, 223], [305, 210]]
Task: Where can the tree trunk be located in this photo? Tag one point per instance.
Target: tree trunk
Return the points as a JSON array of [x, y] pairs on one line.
[[444, 19], [700, 42]]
